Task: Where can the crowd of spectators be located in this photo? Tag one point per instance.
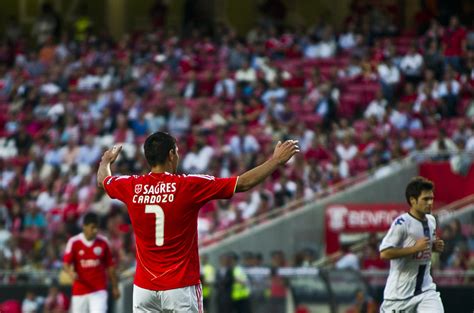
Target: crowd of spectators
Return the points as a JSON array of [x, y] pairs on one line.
[[354, 99]]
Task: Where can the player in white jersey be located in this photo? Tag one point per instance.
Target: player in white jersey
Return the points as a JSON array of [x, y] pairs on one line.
[[408, 245]]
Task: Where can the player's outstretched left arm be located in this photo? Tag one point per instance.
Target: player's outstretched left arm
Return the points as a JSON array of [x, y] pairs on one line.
[[108, 158]]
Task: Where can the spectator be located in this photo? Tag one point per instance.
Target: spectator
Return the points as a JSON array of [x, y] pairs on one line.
[[348, 259], [412, 65], [454, 43], [198, 159], [32, 303], [376, 107], [5, 235], [179, 122], [325, 107], [191, 87], [246, 75], [347, 150], [284, 191], [89, 152], [448, 91], [225, 87], [347, 40], [407, 142], [442, 146], [243, 143], [34, 217], [398, 117], [224, 282], [56, 301], [47, 24], [433, 58], [389, 77]]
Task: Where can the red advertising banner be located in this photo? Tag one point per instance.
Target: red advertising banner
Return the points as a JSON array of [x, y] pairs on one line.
[[449, 186], [358, 218]]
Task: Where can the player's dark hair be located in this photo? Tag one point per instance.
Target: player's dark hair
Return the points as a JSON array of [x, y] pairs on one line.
[[157, 147], [90, 218], [416, 186]]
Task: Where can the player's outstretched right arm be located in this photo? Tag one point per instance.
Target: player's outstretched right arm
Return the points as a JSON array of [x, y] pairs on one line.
[[108, 158], [395, 253], [282, 153]]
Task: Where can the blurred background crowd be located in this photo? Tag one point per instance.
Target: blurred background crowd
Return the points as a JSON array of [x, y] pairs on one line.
[[356, 98]]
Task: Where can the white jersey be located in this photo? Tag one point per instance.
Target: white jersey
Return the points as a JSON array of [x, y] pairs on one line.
[[410, 275]]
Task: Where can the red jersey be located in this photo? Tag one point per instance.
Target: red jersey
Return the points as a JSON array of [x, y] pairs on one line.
[[90, 260], [164, 210]]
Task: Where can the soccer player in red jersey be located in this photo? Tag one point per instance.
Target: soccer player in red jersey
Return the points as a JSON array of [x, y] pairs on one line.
[[88, 260], [163, 207]]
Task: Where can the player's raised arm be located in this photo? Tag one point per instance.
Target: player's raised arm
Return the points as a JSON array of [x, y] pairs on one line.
[[282, 153], [108, 158]]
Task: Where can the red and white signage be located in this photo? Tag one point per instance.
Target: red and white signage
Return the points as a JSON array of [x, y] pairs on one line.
[[358, 218]]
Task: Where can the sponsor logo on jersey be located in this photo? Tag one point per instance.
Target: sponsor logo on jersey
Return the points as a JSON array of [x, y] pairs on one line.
[[138, 188], [160, 188], [399, 221], [423, 255], [97, 250], [89, 263]]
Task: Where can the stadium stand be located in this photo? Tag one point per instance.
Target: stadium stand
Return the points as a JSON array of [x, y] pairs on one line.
[[355, 100]]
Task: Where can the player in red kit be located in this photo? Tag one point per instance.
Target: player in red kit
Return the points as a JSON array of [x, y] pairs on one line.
[[88, 260], [163, 207]]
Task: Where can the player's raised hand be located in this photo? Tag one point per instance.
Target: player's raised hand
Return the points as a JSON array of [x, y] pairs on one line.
[[111, 154], [284, 151], [438, 245], [422, 244]]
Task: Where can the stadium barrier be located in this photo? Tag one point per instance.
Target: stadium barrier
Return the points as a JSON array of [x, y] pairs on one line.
[[325, 290]]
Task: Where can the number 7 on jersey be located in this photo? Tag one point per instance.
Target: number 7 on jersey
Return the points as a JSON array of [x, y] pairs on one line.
[[159, 223]]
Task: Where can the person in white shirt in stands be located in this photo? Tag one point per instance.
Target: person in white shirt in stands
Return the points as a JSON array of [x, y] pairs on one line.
[[443, 145], [347, 150], [412, 65], [225, 86], [389, 77], [347, 40], [243, 142], [246, 75], [348, 261], [377, 107], [179, 122], [408, 245], [198, 159]]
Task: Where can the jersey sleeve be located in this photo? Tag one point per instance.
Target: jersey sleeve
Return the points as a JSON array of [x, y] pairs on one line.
[[395, 236], [118, 187], [203, 188], [68, 253]]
